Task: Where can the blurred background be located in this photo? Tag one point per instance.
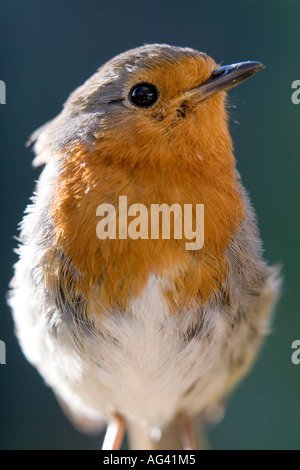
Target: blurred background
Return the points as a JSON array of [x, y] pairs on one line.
[[49, 47]]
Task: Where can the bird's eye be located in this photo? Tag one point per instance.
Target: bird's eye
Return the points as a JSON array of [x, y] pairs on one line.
[[143, 95]]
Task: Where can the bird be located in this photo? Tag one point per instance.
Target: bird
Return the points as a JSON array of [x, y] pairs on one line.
[[136, 332]]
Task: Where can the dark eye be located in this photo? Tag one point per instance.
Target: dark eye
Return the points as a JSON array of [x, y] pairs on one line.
[[143, 95]]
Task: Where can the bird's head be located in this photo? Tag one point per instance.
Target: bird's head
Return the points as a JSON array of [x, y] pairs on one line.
[[151, 103]]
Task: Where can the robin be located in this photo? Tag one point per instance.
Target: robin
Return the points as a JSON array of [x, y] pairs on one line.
[[139, 331]]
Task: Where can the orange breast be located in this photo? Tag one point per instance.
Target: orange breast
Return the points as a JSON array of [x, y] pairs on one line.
[[115, 271]]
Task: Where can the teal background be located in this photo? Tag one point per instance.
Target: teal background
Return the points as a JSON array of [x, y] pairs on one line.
[[47, 48]]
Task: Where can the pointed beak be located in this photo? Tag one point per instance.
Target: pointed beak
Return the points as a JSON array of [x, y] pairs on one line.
[[224, 78]]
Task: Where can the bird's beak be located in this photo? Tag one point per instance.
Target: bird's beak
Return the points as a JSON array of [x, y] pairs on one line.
[[224, 78]]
